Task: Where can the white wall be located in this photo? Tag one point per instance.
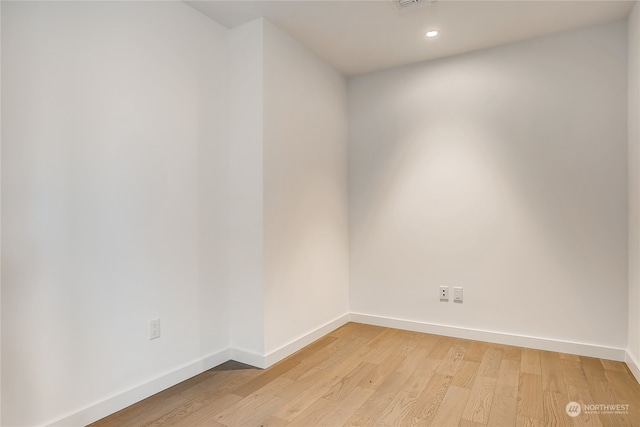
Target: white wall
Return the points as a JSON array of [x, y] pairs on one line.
[[634, 184], [305, 191], [503, 171], [111, 112], [246, 223]]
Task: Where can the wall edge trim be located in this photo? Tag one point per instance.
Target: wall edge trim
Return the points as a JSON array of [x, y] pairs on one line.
[[297, 344], [633, 365], [581, 349]]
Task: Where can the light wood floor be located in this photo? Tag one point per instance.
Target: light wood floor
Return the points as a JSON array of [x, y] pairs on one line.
[[361, 375]]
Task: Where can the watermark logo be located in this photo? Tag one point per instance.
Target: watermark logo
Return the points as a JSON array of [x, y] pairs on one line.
[[609, 409], [573, 409]]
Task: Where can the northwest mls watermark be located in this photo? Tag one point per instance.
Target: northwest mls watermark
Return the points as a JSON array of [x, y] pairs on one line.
[[574, 409]]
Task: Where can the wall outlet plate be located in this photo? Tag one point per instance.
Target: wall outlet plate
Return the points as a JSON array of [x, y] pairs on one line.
[[444, 293], [154, 329]]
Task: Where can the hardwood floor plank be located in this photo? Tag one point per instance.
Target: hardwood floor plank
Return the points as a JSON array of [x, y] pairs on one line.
[[406, 344], [512, 353], [555, 414], [467, 423], [256, 407], [346, 408], [382, 346], [530, 396], [428, 341], [612, 365], [503, 411], [479, 404], [398, 409], [358, 421], [311, 363], [207, 414], [269, 422], [603, 393], [625, 385], [313, 348], [508, 378], [419, 378], [627, 391], [490, 365], [573, 374], [466, 375], [251, 411], [347, 354], [530, 362], [383, 396], [352, 331], [377, 376], [314, 413], [593, 369], [572, 357], [405, 399], [346, 365], [297, 387], [582, 396], [441, 348], [451, 408], [412, 360], [528, 422], [345, 385], [452, 361], [552, 376], [266, 377], [296, 405], [475, 351], [425, 407]]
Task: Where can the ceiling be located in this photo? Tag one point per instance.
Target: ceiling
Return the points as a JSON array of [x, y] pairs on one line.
[[361, 36]]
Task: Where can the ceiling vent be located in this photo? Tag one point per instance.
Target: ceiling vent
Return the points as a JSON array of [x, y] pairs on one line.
[[403, 5]]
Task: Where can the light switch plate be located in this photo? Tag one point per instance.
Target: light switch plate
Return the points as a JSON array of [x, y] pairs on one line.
[[457, 294]]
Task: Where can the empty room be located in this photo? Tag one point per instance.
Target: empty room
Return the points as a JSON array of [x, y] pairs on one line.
[[320, 213]]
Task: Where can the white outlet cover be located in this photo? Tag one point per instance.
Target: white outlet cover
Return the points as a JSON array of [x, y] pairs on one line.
[[154, 329], [444, 293]]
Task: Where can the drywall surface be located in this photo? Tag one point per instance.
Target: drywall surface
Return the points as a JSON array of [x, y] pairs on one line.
[[246, 224], [502, 171], [305, 191], [107, 107], [634, 181]]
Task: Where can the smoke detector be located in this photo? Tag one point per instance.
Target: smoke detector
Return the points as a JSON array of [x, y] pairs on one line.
[[403, 5]]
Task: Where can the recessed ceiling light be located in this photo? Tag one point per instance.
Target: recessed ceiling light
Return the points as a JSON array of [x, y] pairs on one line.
[[432, 33]]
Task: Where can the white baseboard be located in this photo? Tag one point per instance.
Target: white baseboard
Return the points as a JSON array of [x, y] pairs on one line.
[[119, 401], [633, 365], [303, 341], [581, 349], [248, 357], [260, 361]]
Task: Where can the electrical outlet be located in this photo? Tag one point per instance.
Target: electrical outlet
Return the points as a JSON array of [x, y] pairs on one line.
[[154, 329], [457, 294], [444, 293]]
